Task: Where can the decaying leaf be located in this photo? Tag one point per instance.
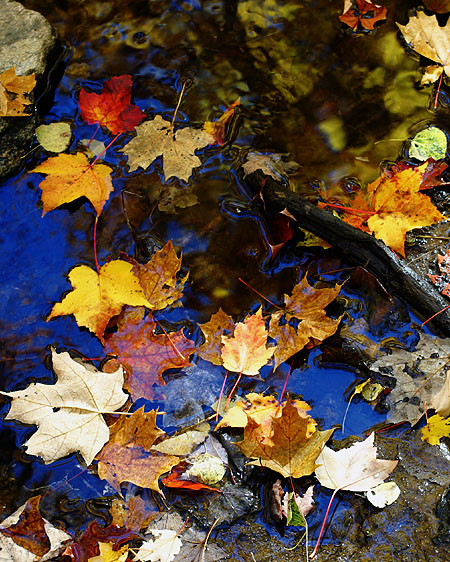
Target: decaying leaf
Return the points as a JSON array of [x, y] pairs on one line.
[[179, 479], [157, 138], [158, 277], [127, 456], [108, 554], [220, 324], [246, 351], [293, 448], [384, 494], [355, 468], [363, 12], [98, 296], [146, 354], [68, 413], [207, 469], [270, 164], [296, 507], [133, 514], [54, 137], [164, 547], [14, 91], [429, 39], [112, 108], [436, 428], [183, 444], [442, 281], [304, 320], [69, 177], [26, 537], [438, 6], [419, 375], [428, 143]]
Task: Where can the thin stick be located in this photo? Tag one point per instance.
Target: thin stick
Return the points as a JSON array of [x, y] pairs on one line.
[[232, 390], [438, 91], [434, 316], [220, 396], [350, 210], [95, 245], [178, 106], [285, 383], [259, 294]]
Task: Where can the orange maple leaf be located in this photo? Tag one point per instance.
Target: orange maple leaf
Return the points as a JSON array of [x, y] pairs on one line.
[[13, 93], [306, 304], [245, 351], [292, 449], [220, 324], [362, 12], [145, 354], [127, 456], [98, 296], [70, 176], [112, 108]]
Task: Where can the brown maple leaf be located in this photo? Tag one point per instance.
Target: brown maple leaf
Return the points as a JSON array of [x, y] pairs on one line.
[[292, 450], [145, 354], [14, 91], [219, 325], [158, 277], [362, 12], [127, 456], [133, 514], [71, 176], [304, 320]]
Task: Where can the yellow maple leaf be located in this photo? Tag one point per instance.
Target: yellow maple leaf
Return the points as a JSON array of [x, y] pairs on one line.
[[400, 206], [70, 176], [107, 554], [97, 296], [429, 39], [245, 351], [219, 324], [436, 428], [13, 91]]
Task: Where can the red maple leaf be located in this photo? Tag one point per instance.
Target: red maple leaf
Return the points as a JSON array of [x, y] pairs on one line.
[[175, 480], [112, 108], [364, 12]]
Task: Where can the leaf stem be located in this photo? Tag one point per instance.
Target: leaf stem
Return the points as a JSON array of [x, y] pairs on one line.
[[232, 391], [177, 107], [285, 383], [93, 136], [350, 210], [438, 91], [259, 294], [434, 316], [95, 245], [220, 396]]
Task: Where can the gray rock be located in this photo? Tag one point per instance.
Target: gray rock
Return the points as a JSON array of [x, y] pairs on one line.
[[29, 43]]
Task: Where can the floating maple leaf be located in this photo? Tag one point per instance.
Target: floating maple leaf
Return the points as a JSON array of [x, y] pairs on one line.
[[362, 12], [97, 296], [25, 536], [157, 138], [70, 176], [164, 547], [109, 554], [245, 351], [219, 324], [112, 108], [293, 448], [127, 456], [13, 92], [355, 468], [158, 277], [68, 413], [306, 304], [430, 40], [438, 6], [145, 354], [218, 128]]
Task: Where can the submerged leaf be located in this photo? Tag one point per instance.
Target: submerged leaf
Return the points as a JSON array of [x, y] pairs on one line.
[[14, 91], [436, 428]]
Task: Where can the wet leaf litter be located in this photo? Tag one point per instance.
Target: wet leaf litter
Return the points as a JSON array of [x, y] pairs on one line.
[[252, 343]]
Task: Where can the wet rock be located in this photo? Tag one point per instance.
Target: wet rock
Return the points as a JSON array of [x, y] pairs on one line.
[[30, 44]]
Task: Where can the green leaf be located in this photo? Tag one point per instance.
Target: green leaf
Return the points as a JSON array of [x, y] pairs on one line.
[[294, 517], [54, 137], [429, 143]]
